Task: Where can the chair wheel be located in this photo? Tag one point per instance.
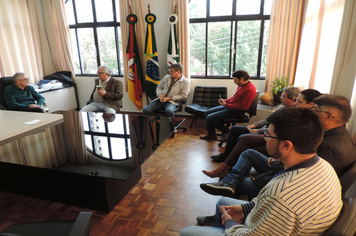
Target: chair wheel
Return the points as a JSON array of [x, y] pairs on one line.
[[172, 135], [220, 144], [184, 129]]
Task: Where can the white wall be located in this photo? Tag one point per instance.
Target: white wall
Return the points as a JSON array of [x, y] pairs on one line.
[[162, 10]]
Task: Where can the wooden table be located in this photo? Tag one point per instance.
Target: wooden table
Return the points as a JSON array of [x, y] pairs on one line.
[[13, 127]]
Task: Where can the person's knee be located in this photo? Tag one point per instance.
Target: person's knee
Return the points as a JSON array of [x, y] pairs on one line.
[[146, 110], [186, 231], [169, 113], [222, 201]]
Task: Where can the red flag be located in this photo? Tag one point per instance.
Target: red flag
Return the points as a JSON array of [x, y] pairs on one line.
[[135, 76]]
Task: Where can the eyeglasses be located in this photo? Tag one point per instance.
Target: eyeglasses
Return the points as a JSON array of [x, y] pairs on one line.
[[314, 109], [25, 79], [266, 135], [99, 73]]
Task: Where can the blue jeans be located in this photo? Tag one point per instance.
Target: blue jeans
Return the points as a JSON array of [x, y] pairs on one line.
[[218, 229], [248, 159], [214, 117], [155, 105], [247, 187]]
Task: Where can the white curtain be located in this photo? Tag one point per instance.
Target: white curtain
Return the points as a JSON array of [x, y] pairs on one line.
[[319, 44], [343, 81], [183, 33], [34, 37], [17, 47], [284, 39]]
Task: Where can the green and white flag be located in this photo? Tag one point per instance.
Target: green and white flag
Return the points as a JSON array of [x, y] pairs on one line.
[[173, 47]]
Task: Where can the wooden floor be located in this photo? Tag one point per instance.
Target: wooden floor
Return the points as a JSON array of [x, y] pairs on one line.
[[166, 199]]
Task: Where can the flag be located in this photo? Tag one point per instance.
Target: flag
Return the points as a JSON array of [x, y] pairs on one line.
[[135, 76], [152, 66], [173, 47]]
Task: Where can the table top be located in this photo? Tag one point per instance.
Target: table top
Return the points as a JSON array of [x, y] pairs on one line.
[[13, 127]]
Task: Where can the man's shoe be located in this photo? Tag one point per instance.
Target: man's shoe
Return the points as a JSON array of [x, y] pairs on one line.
[[218, 188], [224, 137], [208, 137], [206, 220], [219, 158]]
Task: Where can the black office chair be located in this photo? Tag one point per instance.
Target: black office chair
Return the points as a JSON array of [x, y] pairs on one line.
[[245, 115], [179, 108], [345, 224], [204, 98], [348, 177], [4, 82], [80, 227]]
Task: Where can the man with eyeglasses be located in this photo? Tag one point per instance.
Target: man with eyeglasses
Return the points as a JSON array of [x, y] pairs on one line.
[[303, 199], [107, 93], [337, 148], [21, 97]]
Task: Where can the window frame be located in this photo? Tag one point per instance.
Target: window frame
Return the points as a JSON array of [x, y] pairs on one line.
[[108, 135], [94, 25], [233, 36]]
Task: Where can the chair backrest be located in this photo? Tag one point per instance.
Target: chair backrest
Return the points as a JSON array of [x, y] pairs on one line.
[[348, 177], [80, 227], [253, 106], [345, 224], [208, 96], [4, 82]]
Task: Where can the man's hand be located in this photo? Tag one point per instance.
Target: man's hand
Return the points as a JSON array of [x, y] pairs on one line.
[[161, 97], [251, 128], [166, 99], [222, 102], [34, 106], [101, 92], [270, 160], [234, 212]]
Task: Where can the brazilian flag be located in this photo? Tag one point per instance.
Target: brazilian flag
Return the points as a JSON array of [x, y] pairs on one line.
[[152, 66]]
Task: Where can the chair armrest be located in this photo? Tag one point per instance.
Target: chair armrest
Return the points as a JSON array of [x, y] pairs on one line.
[[345, 224], [82, 226], [181, 101]]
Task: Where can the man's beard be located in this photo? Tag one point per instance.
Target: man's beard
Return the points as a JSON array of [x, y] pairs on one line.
[[276, 154]]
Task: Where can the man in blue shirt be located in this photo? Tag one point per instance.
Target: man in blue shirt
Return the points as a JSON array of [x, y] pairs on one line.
[[21, 97]]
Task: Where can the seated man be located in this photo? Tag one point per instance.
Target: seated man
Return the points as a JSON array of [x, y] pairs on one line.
[[230, 108], [337, 148], [21, 97], [108, 94], [303, 199], [243, 137], [172, 87]]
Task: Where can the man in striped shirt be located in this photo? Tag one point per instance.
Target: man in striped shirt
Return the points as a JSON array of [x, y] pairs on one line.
[[303, 199]]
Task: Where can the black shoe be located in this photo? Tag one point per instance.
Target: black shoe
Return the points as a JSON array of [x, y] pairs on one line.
[[209, 137], [224, 137], [206, 220], [219, 158], [218, 188]]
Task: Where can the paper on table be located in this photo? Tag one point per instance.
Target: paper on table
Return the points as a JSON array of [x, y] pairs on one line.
[[32, 122]]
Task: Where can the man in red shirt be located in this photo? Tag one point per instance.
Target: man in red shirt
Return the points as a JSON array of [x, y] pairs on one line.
[[232, 107]]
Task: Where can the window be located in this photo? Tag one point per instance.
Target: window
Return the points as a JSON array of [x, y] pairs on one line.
[[96, 36], [228, 35], [109, 141]]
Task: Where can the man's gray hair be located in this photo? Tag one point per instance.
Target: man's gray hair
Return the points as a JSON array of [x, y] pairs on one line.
[[291, 92], [17, 76], [106, 69]]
